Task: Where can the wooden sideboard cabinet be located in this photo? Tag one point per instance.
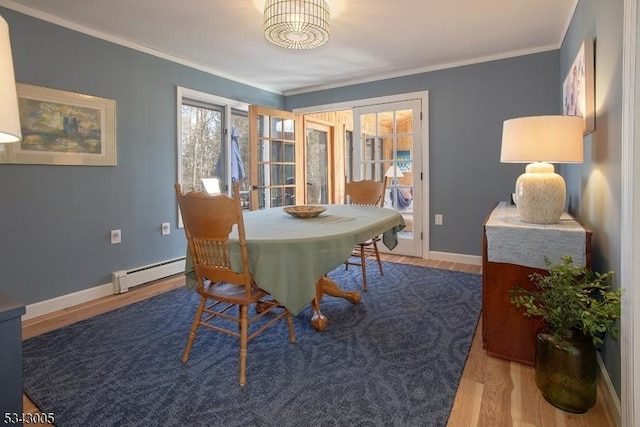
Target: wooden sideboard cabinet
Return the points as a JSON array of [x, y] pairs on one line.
[[512, 250], [10, 356]]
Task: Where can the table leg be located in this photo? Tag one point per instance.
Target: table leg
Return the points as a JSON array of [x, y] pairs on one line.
[[318, 320], [329, 287]]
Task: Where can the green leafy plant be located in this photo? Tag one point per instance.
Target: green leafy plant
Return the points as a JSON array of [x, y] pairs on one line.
[[572, 297]]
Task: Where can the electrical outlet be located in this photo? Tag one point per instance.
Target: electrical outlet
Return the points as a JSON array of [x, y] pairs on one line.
[[116, 236], [438, 219], [165, 228]]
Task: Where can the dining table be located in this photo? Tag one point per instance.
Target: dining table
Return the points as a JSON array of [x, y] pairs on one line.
[[289, 257]]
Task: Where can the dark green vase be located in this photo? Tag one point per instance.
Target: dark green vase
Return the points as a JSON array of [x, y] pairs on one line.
[[566, 370]]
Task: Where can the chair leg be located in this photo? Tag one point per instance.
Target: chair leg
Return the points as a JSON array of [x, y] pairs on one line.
[[244, 327], [363, 262], [194, 328], [375, 248]]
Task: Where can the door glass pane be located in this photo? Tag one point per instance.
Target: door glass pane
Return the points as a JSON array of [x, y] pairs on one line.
[[277, 154], [277, 196], [261, 126], [288, 129], [277, 175], [317, 170], [377, 152], [368, 124], [263, 150], [289, 152], [276, 128], [386, 124], [405, 121], [289, 173]]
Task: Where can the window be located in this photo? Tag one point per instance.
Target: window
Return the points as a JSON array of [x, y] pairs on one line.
[[213, 142], [201, 143]]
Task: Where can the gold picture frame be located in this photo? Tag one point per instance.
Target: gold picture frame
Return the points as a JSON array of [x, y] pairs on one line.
[[579, 86], [63, 128]]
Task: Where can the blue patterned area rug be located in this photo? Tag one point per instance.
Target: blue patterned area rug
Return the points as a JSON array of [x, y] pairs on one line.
[[395, 359]]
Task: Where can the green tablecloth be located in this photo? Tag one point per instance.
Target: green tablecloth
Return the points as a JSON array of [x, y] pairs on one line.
[[288, 255]]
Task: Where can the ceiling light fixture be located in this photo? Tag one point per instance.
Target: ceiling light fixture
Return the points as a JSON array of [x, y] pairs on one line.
[[296, 24]]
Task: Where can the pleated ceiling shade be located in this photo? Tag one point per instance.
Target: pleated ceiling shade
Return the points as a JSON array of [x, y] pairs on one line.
[[296, 24]]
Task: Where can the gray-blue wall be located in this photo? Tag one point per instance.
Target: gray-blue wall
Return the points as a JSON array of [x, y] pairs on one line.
[[467, 106], [594, 187], [55, 220]]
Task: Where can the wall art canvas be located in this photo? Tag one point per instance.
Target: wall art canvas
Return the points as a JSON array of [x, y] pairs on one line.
[[578, 87], [63, 128]]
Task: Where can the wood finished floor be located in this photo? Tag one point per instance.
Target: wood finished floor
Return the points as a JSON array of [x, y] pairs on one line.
[[492, 392]]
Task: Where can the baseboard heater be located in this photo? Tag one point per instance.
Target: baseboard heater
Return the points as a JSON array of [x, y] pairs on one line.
[[125, 279]]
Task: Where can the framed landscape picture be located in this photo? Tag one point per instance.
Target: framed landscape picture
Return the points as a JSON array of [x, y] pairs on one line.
[[63, 128], [579, 86]]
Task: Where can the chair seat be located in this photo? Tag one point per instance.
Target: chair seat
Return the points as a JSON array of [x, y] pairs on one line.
[[370, 242], [229, 292]]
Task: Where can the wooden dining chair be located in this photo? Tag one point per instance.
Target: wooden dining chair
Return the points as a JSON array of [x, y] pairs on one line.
[[370, 193], [208, 221]]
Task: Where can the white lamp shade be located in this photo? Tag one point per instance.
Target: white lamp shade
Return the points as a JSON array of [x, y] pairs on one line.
[[9, 115], [552, 139], [211, 185], [393, 172]]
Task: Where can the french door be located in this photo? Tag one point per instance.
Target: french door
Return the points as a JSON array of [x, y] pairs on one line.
[[387, 142], [275, 139]]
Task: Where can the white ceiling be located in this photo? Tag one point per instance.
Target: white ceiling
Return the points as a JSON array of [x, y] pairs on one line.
[[370, 39]]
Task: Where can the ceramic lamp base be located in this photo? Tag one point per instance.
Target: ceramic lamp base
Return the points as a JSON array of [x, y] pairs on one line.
[[540, 194]]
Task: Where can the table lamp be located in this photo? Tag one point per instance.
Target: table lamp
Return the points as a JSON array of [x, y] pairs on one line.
[[10, 117], [394, 173], [211, 185], [540, 193]]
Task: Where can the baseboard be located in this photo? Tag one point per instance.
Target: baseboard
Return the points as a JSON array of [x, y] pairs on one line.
[[460, 258], [65, 301], [612, 401], [138, 276]]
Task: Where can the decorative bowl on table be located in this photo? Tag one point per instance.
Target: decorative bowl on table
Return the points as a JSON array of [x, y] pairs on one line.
[[304, 211]]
